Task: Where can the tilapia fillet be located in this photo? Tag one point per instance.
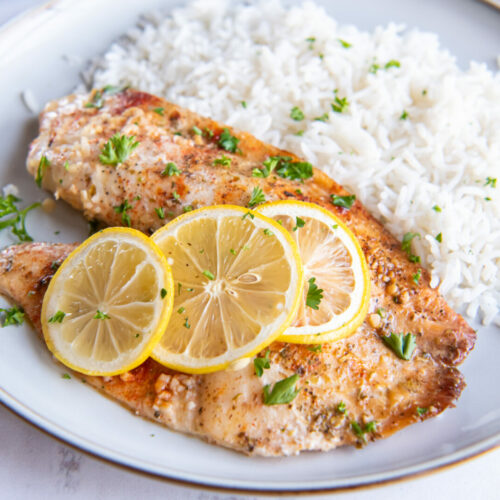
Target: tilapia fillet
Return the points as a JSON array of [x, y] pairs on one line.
[[226, 407]]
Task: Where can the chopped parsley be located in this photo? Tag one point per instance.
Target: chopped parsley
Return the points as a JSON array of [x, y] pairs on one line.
[[12, 316], [187, 208], [373, 68], [402, 345], [343, 201], [344, 44], [66, 376], [439, 237], [117, 149], [175, 195], [416, 276], [208, 274], [232, 251], [181, 310], [228, 141], [340, 105], [248, 214], [436, 208], [224, 160], [300, 133], [404, 115], [163, 293], [267, 232], [123, 208], [421, 411], [322, 118], [283, 392], [257, 197], [197, 131], [160, 212], [491, 181], [361, 431], [286, 168], [244, 104], [299, 223], [296, 114], [311, 41], [17, 222], [315, 348], [406, 246], [261, 364], [159, 111], [43, 164], [314, 294], [392, 64], [97, 100], [101, 315], [170, 169], [58, 317], [186, 323], [341, 408]]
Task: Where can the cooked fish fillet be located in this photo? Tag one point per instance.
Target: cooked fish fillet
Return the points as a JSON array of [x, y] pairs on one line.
[[226, 407]]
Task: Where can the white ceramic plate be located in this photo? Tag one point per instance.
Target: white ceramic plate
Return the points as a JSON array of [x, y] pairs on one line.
[[31, 56]]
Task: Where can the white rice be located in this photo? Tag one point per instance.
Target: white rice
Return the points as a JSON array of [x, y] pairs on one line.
[[210, 56]]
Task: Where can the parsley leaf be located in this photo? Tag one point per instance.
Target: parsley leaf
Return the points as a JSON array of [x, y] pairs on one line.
[[296, 114], [12, 316], [283, 392], [344, 44], [406, 246], [257, 197], [436, 208], [159, 111], [42, 166], [163, 293], [404, 115], [285, 168], [101, 315], [341, 408], [343, 201], [421, 411], [361, 431], [439, 237], [244, 104], [117, 149], [160, 212], [392, 64], [373, 68], [225, 161], [123, 208], [17, 223], [170, 170], [58, 317], [416, 276], [197, 131], [208, 274], [314, 294], [268, 232], [340, 105], [490, 181], [402, 345], [322, 118], [299, 223], [261, 364], [315, 348], [186, 323], [228, 141]]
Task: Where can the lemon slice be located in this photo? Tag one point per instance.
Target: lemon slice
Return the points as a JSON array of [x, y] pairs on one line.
[[238, 282], [109, 303], [331, 255]]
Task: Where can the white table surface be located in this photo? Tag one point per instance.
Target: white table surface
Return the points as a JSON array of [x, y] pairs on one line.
[[35, 466]]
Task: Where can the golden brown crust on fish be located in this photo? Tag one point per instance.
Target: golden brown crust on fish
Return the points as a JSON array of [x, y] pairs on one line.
[[226, 407]]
